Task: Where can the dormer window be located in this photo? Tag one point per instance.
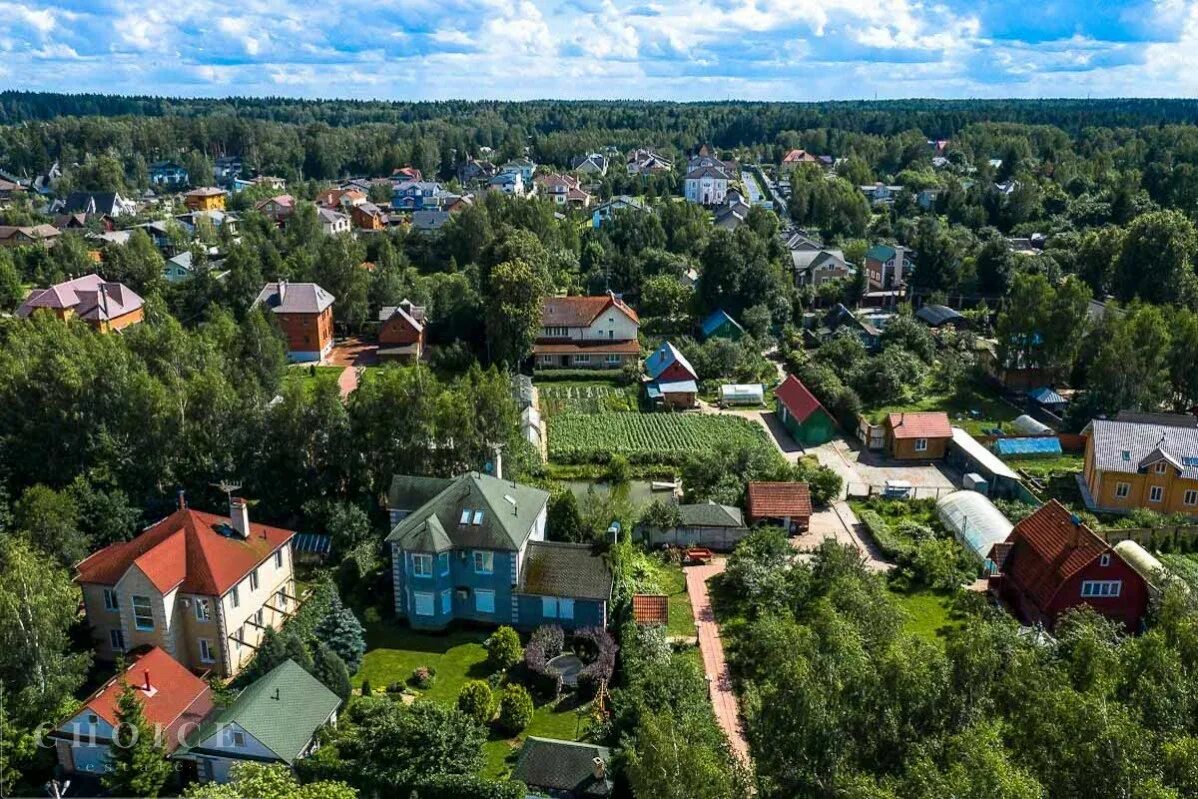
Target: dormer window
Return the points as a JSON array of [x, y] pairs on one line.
[[478, 517], [465, 516], [1160, 467], [1126, 455]]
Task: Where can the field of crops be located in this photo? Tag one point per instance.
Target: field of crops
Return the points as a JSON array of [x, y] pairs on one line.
[[645, 438], [598, 397], [1185, 567]]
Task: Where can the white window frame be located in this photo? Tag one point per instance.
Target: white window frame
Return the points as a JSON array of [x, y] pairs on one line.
[[203, 609], [481, 593], [234, 597], [260, 617], [422, 564], [446, 602], [111, 600], [278, 558], [1102, 589], [1122, 490], [116, 639], [424, 599], [1190, 497], [1104, 559], [613, 360], [921, 445], [138, 618], [1161, 467], [254, 580], [478, 518], [465, 517], [580, 359], [207, 653], [1156, 494], [443, 564], [484, 561]]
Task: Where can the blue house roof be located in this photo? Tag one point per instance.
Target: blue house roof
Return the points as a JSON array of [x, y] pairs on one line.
[[716, 320], [662, 358], [1046, 396]]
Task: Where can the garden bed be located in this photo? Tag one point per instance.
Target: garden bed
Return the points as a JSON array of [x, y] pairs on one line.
[[664, 438]]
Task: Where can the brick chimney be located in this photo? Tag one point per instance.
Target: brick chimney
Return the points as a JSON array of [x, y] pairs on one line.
[[239, 516]]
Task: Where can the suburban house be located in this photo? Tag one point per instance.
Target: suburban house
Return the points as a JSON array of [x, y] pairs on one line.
[[105, 203], [178, 267], [563, 190], [707, 185], [918, 436], [719, 324], [407, 173], [28, 235], [401, 332], [167, 173], [1052, 562], [796, 158], [734, 211], [368, 216], [511, 183], [333, 223], [172, 699], [270, 181], [670, 380], [816, 267], [340, 199], [473, 548], [429, 219], [586, 333], [208, 198], [938, 316], [226, 167], [593, 164], [704, 524], [1150, 464], [524, 167], [838, 318], [476, 171], [273, 720], [807, 421], [102, 304], [305, 312], [647, 162], [604, 211], [880, 193], [412, 195], [785, 504], [203, 587], [564, 769], [887, 267], [278, 207]]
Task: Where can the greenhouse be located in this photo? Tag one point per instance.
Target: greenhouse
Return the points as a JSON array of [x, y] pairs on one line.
[[1044, 446], [1027, 426], [742, 394], [974, 521], [1142, 562]]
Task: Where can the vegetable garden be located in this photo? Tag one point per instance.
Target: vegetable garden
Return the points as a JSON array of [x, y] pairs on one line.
[[645, 438], [595, 397]]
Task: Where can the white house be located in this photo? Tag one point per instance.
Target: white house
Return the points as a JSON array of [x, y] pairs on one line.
[[333, 222], [586, 332], [707, 185]]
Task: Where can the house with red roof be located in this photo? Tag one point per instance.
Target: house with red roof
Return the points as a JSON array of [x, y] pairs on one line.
[[922, 436], [173, 700], [586, 333], [787, 505], [204, 588], [402, 332], [807, 421], [103, 304], [1052, 562]]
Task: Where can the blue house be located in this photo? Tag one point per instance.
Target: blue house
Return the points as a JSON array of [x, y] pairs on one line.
[[413, 195], [473, 548], [167, 173]]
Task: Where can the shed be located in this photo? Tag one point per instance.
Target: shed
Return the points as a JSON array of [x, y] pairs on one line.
[[1045, 446], [1048, 399], [974, 521], [968, 454], [742, 394], [807, 421], [720, 324], [788, 504], [939, 316]]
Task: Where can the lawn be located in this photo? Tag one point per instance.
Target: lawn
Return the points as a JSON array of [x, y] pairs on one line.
[[974, 408], [1047, 467], [312, 376], [672, 579], [928, 614]]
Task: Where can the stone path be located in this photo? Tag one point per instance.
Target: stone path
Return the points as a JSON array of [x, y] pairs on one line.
[[719, 680]]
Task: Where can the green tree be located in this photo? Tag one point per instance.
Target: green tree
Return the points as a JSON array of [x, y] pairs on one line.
[[267, 781], [343, 633], [563, 521], [137, 764], [1156, 260], [12, 288], [514, 310], [51, 521], [504, 649], [330, 669], [476, 701], [515, 709]]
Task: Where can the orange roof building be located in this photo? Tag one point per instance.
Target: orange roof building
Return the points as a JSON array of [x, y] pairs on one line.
[[587, 333], [918, 436], [787, 504], [651, 609]]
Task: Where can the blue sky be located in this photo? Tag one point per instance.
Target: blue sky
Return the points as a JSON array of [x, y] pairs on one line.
[[653, 49]]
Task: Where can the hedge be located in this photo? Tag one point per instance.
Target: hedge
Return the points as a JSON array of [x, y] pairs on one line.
[[890, 545], [559, 375]]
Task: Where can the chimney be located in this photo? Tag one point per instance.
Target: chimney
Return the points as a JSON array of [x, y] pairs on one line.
[[149, 687], [599, 768], [276, 696], [282, 291], [239, 516], [181, 498], [498, 463]]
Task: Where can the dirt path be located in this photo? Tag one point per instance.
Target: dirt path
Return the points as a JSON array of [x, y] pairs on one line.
[[719, 680], [347, 381]]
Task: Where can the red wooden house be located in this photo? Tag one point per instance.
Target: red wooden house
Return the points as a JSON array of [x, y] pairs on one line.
[[1052, 562]]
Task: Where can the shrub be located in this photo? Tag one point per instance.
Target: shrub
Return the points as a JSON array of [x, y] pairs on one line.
[[891, 546], [551, 637], [596, 645], [515, 709], [503, 649], [366, 688], [476, 701], [545, 644], [423, 677]]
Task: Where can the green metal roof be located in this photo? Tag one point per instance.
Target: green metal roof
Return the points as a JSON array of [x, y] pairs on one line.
[[282, 711], [501, 515], [881, 252]]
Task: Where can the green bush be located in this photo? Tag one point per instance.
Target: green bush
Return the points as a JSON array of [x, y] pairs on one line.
[[476, 701], [561, 375], [503, 649], [891, 546], [515, 709]]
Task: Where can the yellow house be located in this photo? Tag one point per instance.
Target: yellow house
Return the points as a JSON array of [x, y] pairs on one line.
[[204, 588], [1151, 463], [208, 198]]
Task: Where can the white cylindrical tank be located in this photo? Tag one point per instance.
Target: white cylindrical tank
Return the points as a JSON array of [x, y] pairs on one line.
[[1142, 561]]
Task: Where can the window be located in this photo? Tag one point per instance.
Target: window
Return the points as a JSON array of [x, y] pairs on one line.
[[281, 599], [278, 558], [582, 359], [557, 608], [203, 610], [258, 617], [549, 607], [1126, 456], [254, 580], [465, 519], [422, 565], [1190, 497], [240, 637], [143, 615], [110, 600], [484, 601], [443, 564], [1122, 490], [1102, 588], [116, 637], [1104, 559], [478, 518], [235, 597], [1156, 494], [921, 445], [556, 332], [238, 738], [613, 360], [1160, 467], [206, 653], [93, 719], [424, 603], [565, 608], [446, 602], [484, 562]]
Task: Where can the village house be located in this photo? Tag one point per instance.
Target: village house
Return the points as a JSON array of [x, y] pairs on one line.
[[225, 168], [270, 181], [476, 172], [407, 173], [277, 208], [586, 333], [305, 312], [208, 198], [881, 194], [340, 199], [796, 158], [368, 216], [524, 167], [887, 267], [203, 587], [273, 720], [412, 195], [107, 203], [103, 305], [670, 380], [807, 421], [703, 524], [1052, 562], [922, 435], [787, 505], [167, 173], [473, 548], [28, 235], [938, 316], [512, 183], [1150, 464], [593, 164], [706, 185], [173, 700], [647, 162], [333, 223], [564, 769], [621, 202], [816, 267], [563, 190], [401, 332]]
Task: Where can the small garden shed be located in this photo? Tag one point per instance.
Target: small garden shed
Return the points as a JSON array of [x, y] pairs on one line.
[[802, 414]]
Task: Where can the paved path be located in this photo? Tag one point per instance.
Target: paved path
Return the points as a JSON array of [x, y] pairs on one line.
[[719, 681], [347, 381]]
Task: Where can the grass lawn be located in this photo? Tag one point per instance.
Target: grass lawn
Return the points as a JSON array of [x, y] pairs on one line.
[[1053, 478], [305, 376], [673, 584], [1046, 467], [973, 408], [929, 615]]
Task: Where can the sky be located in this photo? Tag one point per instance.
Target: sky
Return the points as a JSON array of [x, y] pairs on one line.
[[603, 49]]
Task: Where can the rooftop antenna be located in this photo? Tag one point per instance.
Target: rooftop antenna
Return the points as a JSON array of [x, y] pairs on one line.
[[228, 486]]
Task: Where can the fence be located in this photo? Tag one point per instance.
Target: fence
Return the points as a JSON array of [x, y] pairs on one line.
[[719, 539], [866, 490], [873, 436]]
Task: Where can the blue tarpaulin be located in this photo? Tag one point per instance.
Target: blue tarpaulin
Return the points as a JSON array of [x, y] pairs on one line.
[[1041, 445]]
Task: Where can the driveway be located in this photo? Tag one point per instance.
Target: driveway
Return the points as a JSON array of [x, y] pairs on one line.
[[353, 352]]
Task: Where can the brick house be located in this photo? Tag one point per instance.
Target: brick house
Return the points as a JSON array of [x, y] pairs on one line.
[[103, 305], [278, 207], [887, 267], [586, 333], [785, 504], [203, 587], [401, 332], [1052, 562], [918, 436], [305, 312]]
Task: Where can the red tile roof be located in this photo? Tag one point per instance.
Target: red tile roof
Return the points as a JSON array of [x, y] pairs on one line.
[[185, 550], [778, 500], [174, 693], [1048, 548], [579, 311], [797, 399], [650, 609], [925, 424]]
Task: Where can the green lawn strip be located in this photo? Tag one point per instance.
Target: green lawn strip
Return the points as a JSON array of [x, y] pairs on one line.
[[1048, 466], [305, 376], [673, 584], [561, 720], [928, 614], [991, 411]]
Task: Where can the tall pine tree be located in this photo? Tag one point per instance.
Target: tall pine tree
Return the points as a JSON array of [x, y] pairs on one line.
[[342, 631], [330, 670], [137, 761]]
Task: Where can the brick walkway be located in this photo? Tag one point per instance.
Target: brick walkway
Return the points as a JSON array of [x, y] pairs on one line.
[[347, 381], [719, 681]]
